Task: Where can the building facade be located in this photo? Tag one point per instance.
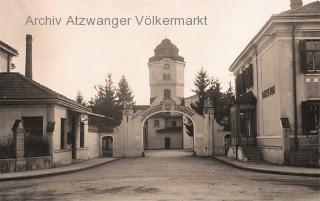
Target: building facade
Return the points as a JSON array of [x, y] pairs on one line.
[[51, 121], [277, 110]]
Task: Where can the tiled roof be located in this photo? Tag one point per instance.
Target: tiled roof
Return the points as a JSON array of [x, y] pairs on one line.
[[15, 86], [308, 9]]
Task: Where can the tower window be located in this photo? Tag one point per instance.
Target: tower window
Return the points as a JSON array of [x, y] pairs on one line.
[[167, 93], [166, 76]]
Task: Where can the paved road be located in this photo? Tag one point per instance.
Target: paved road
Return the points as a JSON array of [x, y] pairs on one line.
[[164, 176]]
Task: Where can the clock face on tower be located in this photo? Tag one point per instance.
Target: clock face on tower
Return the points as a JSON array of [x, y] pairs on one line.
[[166, 66]]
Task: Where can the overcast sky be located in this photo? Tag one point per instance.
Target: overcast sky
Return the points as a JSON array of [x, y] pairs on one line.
[[67, 58]]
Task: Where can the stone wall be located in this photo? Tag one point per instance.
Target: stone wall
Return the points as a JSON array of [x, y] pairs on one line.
[[7, 165], [34, 163]]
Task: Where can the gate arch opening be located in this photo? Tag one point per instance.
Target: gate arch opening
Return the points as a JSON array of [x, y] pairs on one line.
[[167, 130]]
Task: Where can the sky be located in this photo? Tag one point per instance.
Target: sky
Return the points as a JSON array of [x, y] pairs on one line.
[[68, 59]]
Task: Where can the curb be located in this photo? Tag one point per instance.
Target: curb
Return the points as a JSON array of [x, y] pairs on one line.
[[54, 173], [269, 171]]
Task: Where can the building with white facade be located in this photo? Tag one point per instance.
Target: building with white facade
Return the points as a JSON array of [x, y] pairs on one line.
[[277, 114]]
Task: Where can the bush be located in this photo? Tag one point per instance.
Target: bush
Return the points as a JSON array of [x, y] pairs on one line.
[[7, 147]]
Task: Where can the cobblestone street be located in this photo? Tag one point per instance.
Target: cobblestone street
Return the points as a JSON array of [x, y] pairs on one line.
[[164, 175]]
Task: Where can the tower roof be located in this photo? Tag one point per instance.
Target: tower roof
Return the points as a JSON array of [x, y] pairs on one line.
[[166, 49]]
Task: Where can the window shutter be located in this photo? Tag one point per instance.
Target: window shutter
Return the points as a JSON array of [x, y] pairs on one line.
[[245, 80], [237, 86], [250, 76], [243, 84], [302, 50]]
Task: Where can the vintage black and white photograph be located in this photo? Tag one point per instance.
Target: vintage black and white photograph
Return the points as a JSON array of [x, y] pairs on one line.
[[160, 100]]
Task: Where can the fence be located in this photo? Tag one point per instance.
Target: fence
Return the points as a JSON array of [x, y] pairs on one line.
[[21, 151], [7, 147], [35, 146]]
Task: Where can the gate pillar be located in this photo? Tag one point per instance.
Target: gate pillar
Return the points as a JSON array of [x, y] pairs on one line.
[[204, 138], [130, 127]]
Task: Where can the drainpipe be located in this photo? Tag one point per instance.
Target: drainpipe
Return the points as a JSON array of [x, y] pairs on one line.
[[257, 126], [294, 70], [237, 108]]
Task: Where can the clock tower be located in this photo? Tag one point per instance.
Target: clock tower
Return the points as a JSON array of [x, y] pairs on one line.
[[166, 74]]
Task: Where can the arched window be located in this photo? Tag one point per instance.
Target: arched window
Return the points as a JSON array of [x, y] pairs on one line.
[[167, 93]]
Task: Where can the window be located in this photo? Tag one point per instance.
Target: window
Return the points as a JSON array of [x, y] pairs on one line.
[[310, 56], [33, 125], [174, 124], [244, 81], [81, 134], [62, 133], [166, 77], [310, 118], [167, 93], [156, 123]]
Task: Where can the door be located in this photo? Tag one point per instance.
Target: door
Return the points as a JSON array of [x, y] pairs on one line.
[[167, 143], [247, 127], [107, 146]]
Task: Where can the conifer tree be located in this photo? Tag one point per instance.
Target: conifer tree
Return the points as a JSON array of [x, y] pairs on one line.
[[124, 93], [80, 98], [201, 83], [215, 94], [228, 101], [105, 101]]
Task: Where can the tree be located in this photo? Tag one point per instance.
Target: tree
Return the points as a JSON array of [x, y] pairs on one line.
[[105, 102], [201, 83], [228, 100], [189, 127], [80, 98], [124, 93], [215, 94]]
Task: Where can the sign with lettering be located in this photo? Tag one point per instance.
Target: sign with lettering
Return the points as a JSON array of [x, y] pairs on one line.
[[269, 92]]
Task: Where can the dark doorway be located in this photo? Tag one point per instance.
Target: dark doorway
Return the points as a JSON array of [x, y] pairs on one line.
[[107, 146], [167, 143], [248, 127]]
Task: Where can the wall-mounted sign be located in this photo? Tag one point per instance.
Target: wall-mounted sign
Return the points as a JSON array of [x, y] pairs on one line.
[[269, 92]]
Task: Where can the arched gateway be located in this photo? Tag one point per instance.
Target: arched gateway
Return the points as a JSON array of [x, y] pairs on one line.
[[166, 80], [131, 127]]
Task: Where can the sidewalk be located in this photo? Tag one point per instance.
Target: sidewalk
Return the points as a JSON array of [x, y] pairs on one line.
[[269, 168], [55, 171]]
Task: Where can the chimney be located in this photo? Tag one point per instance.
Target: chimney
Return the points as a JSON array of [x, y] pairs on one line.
[[295, 4], [28, 70]]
